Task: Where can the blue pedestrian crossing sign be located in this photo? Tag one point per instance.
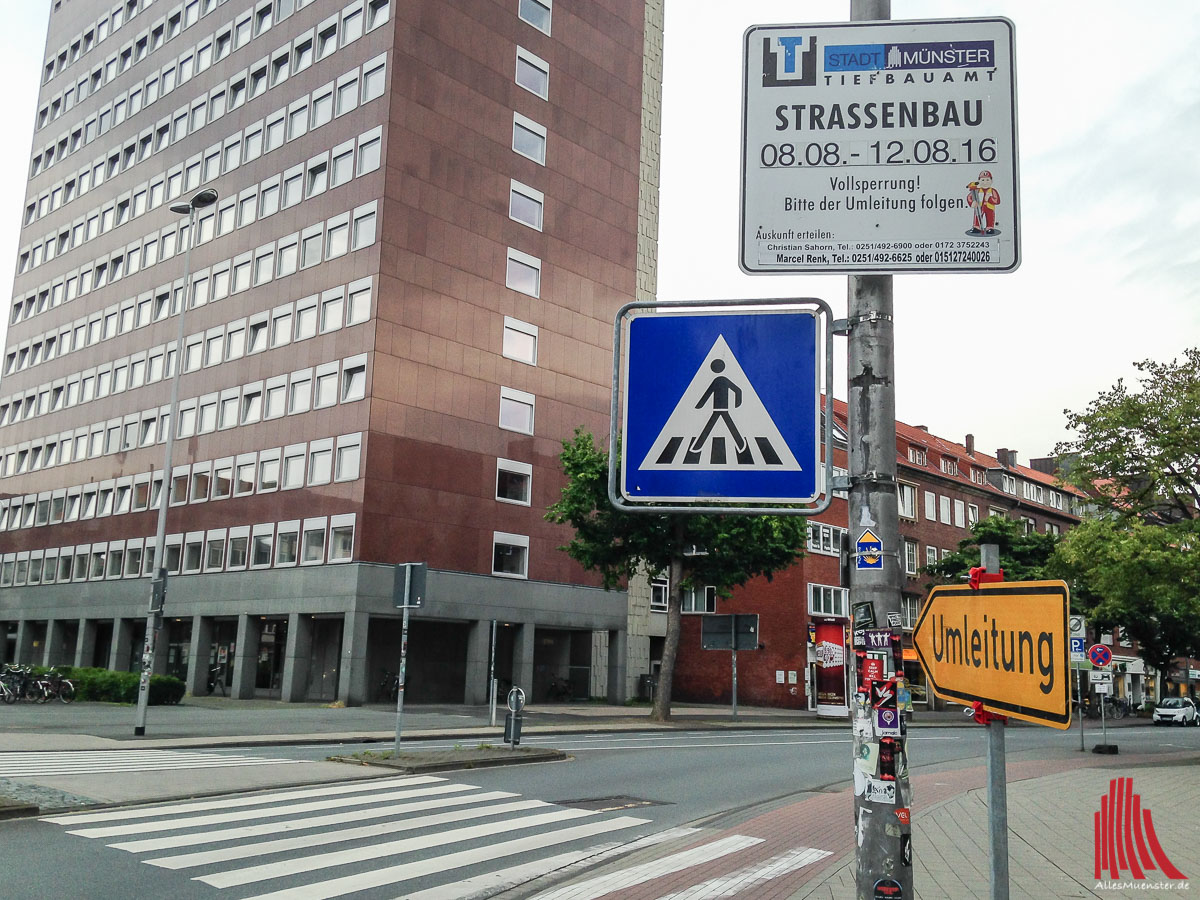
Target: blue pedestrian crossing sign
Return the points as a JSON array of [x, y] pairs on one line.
[[722, 407]]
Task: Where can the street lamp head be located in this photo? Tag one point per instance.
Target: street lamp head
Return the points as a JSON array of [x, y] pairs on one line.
[[206, 197]]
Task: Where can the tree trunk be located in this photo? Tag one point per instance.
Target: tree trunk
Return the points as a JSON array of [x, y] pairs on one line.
[[666, 674]]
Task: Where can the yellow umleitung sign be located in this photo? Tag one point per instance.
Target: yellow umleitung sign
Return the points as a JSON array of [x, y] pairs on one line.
[[1004, 644]]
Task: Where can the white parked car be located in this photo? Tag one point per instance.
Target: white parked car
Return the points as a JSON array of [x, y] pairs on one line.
[[1176, 711]]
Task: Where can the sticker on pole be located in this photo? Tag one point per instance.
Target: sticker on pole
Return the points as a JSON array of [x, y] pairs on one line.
[[868, 551], [880, 147], [722, 406]]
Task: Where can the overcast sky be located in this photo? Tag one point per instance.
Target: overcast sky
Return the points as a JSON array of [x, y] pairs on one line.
[[1109, 124]]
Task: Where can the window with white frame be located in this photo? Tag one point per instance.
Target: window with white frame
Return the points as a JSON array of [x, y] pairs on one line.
[[972, 514], [931, 555], [960, 514], [660, 592], [533, 73], [525, 204], [931, 506], [916, 454], [510, 555], [699, 601], [523, 273], [907, 500], [536, 13], [520, 341], [825, 539], [944, 510], [827, 600], [516, 410], [910, 558], [513, 481], [341, 538], [349, 452], [529, 138], [910, 610], [949, 465]]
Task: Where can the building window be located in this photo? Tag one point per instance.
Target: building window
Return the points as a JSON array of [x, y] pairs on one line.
[[513, 480], [524, 273], [907, 499], [931, 556], [533, 73], [510, 555], [529, 138], [972, 514], [931, 506], [525, 204], [826, 600], [949, 465], [960, 514], [826, 539], [703, 601], [536, 13], [354, 382], [910, 558], [910, 610], [341, 543], [660, 592], [944, 510], [516, 410], [916, 455], [520, 341]]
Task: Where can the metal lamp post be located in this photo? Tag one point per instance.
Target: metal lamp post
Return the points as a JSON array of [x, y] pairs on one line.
[[158, 589]]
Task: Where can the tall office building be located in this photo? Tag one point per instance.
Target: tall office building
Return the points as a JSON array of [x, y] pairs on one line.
[[398, 306]]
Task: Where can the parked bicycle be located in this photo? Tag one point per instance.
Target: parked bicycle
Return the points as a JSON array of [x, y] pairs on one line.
[[18, 683], [389, 686], [52, 686], [1114, 708]]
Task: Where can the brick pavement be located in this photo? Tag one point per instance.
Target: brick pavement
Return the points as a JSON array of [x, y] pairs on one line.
[[1051, 805]]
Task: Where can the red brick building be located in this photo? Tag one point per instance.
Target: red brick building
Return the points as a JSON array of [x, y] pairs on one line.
[[944, 487]]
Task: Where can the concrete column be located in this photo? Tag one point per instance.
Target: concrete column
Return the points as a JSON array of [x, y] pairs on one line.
[[523, 658], [245, 663], [54, 638], [4, 643], [297, 658], [122, 645], [198, 666], [85, 643], [618, 660], [479, 649], [26, 631], [352, 680]]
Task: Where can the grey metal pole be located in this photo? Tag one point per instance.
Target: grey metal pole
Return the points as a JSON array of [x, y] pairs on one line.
[[155, 611], [735, 667], [1079, 704], [403, 658], [492, 680], [997, 774]]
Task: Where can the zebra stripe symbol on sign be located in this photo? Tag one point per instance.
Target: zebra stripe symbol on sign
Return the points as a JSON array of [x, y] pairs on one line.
[[719, 423]]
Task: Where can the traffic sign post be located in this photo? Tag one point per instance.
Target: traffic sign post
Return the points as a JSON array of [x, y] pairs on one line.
[[1003, 645], [880, 147], [1101, 657], [734, 632], [721, 404]]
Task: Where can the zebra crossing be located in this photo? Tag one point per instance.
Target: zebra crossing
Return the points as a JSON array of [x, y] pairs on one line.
[[418, 837], [33, 764]]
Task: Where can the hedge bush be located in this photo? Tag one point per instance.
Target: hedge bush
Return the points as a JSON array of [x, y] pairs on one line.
[[107, 686]]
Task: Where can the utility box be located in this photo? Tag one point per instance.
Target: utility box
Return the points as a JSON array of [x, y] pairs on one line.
[[512, 728]]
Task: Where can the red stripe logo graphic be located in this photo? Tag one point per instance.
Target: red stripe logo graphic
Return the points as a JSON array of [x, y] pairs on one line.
[[1124, 837]]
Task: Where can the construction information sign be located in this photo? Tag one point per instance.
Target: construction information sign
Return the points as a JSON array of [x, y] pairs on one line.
[[880, 147]]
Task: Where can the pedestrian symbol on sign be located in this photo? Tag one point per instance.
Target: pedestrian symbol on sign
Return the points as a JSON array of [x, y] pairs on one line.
[[720, 423]]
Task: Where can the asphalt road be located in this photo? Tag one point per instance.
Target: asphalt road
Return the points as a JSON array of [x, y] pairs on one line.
[[463, 834]]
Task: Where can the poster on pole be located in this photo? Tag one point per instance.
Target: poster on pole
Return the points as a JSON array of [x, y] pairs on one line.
[[880, 147]]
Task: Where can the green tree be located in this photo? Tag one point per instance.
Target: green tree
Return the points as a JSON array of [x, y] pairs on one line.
[[724, 551], [1138, 451], [1143, 578], [1137, 454], [1024, 556]]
